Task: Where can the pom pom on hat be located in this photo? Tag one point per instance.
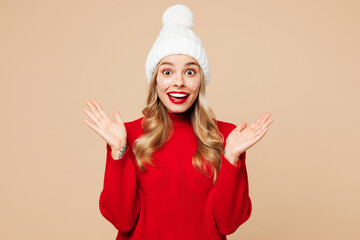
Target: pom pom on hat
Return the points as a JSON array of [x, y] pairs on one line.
[[178, 14], [177, 37]]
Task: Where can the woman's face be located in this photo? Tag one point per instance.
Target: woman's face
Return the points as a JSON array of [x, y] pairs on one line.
[[178, 82]]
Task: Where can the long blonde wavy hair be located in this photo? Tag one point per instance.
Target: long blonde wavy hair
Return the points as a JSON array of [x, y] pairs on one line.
[[157, 127]]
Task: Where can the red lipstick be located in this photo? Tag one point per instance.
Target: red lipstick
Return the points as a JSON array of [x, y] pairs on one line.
[[178, 100]]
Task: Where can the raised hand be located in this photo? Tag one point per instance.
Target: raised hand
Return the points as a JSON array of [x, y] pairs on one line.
[[113, 132], [242, 138]]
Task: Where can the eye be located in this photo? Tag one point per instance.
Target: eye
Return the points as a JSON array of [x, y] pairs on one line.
[[192, 72], [166, 72]]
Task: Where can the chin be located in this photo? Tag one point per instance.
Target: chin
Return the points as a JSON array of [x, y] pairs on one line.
[[177, 110]]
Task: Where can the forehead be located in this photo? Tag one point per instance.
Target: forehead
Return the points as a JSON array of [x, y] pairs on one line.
[[178, 59]]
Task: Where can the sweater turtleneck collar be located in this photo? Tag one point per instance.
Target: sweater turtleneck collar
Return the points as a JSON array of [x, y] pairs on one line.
[[180, 119]]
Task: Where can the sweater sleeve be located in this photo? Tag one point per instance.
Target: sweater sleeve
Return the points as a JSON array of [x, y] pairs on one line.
[[119, 201], [232, 203]]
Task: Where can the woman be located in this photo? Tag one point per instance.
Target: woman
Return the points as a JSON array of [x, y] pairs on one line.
[[177, 172]]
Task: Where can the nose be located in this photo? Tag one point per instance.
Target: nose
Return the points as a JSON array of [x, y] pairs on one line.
[[179, 80]]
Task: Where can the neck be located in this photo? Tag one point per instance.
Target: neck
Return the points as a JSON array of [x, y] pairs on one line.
[[180, 119]]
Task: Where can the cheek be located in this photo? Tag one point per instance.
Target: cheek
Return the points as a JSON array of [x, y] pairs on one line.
[[163, 83], [193, 84]]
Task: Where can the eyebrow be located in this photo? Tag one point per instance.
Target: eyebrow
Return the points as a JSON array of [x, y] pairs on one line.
[[171, 64]]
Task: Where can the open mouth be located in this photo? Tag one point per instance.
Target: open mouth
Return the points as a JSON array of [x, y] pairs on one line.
[[178, 98]]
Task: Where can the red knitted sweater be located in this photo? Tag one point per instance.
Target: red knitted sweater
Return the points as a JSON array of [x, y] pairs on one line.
[[173, 200]]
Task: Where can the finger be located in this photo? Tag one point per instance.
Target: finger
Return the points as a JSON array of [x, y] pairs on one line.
[[261, 134], [268, 122], [265, 125], [260, 118], [91, 115], [118, 117], [98, 114], [91, 125], [99, 108], [261, 121], [93, 109], [266, 117], [256, 126], [241, 126]]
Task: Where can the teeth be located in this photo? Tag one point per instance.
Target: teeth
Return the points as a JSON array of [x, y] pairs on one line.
[[178, 94]]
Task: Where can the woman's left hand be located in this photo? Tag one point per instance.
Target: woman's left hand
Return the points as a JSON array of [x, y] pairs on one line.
[[242, 138]]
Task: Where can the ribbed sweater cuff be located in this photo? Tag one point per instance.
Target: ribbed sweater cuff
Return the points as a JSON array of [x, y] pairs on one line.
[[231, 170]]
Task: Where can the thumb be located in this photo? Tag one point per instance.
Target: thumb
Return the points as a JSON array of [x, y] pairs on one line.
[[118, 117], [241, 126]]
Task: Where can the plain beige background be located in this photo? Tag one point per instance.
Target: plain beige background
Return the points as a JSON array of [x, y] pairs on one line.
[[298, 60]]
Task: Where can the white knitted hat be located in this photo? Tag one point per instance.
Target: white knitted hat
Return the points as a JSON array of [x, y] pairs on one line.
[[177, 37]]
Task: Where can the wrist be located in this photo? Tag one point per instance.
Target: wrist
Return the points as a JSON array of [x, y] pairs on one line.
[[119, 153], [119, 146], [230, 157]]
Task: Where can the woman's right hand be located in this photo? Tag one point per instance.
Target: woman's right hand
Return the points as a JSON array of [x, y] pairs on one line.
[[113, 132]]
